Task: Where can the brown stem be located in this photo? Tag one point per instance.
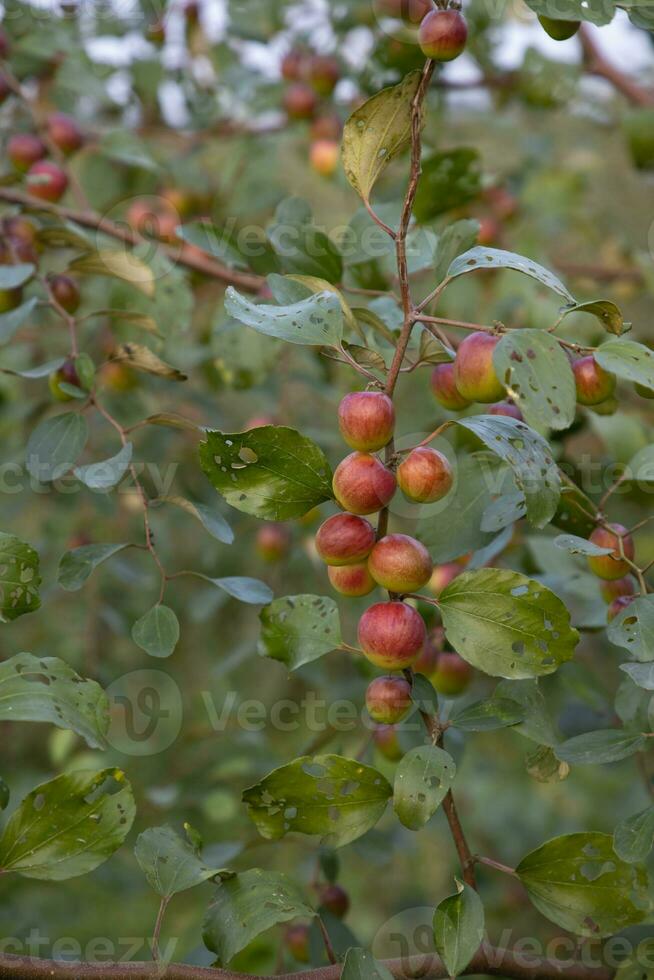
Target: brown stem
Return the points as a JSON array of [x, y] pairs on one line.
[[597, 64], [186, 255], [156, 954], [329, 949]]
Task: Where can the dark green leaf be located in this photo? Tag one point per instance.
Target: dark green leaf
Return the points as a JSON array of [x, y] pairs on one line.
[[169, 862], [633, 838], [76, 565], [449, 180], [299, 628], [422, 779], [607, 745], [487, 716], [19, 578], [361, 965], [459, 928]]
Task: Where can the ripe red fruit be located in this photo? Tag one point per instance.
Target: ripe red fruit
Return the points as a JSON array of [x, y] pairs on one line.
[[616, 607], [428, 659], [345, 539], [46, 181], [425, 475], [353, 581], [490, 230], [323, 72], [442, 576], [386, 740], [611, 590], [391, 635], [366, 420], [452, 675], [335, 899], [64, 132], [474, 373], [443, 35], [293, 66], [559, 30], [327, 127], [445, 390], [65, 292], [258, 421], [388, 699], [296, 938], [300, 101], [324, 156], [273, 541], [67, 374], [506, 408], [362, 484], [400, 563], [24, 149], [611, 566], [593, 383], [411, 12]]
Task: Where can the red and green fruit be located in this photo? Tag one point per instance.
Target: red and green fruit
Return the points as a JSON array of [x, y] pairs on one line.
[[46, 181], [24, 149], [594, 385], [388, 699], [352, 581], [400, 564], [300, 101], [611, 566], [445, 391], [452, 675], [66, 374], [443, 35], [345, 539], [474, 374], [507, 409], [64, 132], [391, 635], [442, 575], [335, 899], [297, 942], [362, 484], [611, 590], [65, 292], [324, 156], [273, 542], [366, 420], [618, 605], [425, 475], [387, 741]]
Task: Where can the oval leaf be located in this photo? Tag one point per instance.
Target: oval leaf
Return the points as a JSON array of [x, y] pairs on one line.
[[157, 632], [317, 320], [487, 716], [169, 862], [422, 779], [55, 445], [633, 629], [76, 565], [19, 578], [633, 838], [627, 359], [481, 257], [459, 928], [609, 745], [299, 628], [537, 373], [104, 475]]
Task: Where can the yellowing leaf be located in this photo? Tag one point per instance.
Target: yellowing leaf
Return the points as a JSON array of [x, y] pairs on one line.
[[118, 264]]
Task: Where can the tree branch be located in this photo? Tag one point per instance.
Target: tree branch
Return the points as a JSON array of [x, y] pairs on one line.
[[597, 64], [185, 254]]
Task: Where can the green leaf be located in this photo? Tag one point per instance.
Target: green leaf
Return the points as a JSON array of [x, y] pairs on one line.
[[169, 862], [453, 240], [13, 320], [543, 765], [530, 458], [537, 725], [68, 826], [55, 445], [641, 674], [423, 778], [104, 475], [46, 689], [40, 371], [308, 251], [577, 882], [633, 629], [449, 180], [496, 258], [157, 632], [376, 132], [424, 695], [598, 12], [579, 546], [627, 359], [5, 794], [506, 624], [76, 565], [487, 716], [247, 905], [459, 928], [297, 629], [633, 838], [606, 745], [360, 964], [212, 240], [125, 147], [328, 796], [609, 315], [317, 320], [19, 578], [250, 590], [271, 472], [211, 520], [537, 373], [13, 276], [117, 264]]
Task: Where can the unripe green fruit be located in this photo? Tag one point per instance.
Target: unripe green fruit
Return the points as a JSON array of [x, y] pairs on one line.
[[388, 699], [594, 385], [608, 407], [10, 299], [386, 739], [474, 373], [425, 475], [335, 899], [611, 566], [639, 128], [559, 30], [445, 391], [452, 675], [443, 35], [366, 420], [400, 564], [618, 605], [353, 581], [391, 635], [362, 484], [345, 539]]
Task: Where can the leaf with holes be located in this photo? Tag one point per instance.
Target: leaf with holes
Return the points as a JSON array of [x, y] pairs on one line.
[[633, 629], [609, 315], [530, 458], [598, 12], [68, 826], [506, 624], [605, 745], [578, 882], [317, 320], [299, 628], [627, 359], [19, 578], [641, 674], [55, 445], [376, 132], [537, 373], [459, 928], [46, 689], [496, 258], [272, 471], [248, 904], [422, 779], [580, 546], [633, 837], [157, 632], [328, 796], [76, 565], [170, 863]]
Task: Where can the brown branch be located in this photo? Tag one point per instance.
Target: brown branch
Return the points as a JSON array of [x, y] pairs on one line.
[[597, 64], [488, 961], [185, 254]]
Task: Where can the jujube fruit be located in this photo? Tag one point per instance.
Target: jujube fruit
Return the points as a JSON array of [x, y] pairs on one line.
[[388, 699], [362, 484], [273, 542], [46, 181], [353, 581], [425, 475], [611, 566], [445, 391], [386, 739], [300, 101], [474, 374], [443, 35], [324, 156], [345, 539], [335, 899], [323, 72], [366, 420], [65, 291], [452, 675], [594, 385], [297, 942], [411, 12], [442, 575], [507, 409], [66, 374], [618, 605], [400, 564], [391, 635], [64, 132], [24, 149], [613, 589]]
